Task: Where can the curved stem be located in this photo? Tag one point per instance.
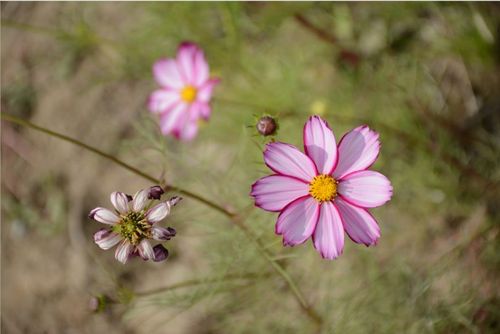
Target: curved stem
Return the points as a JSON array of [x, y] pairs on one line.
[[235, 219], [148, 177], [200, 281]]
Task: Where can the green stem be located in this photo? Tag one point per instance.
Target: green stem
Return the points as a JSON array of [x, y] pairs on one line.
[[200, 281], [236, 219], [148, 177]]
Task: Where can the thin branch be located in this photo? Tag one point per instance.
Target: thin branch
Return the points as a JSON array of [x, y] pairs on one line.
[[237, 220], [347, 55], [134, 170], [201, 281]]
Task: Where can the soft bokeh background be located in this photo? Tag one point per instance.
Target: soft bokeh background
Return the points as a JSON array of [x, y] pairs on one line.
[[424, 75]]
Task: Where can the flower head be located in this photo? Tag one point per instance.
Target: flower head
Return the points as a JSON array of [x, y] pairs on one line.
[[185, 93], [133, 223], [267, 126], [327, 190]]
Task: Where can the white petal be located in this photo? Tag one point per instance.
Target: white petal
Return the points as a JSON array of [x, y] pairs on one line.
[[123, 251], [120, 201], [145, 250], [104, 216], [106, 239], [140, 199], [158, 212]]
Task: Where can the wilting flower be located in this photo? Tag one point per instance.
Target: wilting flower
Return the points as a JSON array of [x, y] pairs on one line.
[[325, 191], [133, 223], [185, 93]]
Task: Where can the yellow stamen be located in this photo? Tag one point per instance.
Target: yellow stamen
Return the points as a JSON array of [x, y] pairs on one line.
[[323, 188], [188, 94]]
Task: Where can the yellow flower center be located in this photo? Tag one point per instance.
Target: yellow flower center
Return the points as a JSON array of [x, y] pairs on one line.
[[134, 227], [188, 94], [323, 188]]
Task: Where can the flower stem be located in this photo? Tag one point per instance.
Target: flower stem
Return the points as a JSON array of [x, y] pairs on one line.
[[148, 177], [235, 218], [200, 281]]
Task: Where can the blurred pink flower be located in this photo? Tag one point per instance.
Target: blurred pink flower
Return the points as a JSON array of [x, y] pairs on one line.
[[133, 223], [325, 191], [185, 93]]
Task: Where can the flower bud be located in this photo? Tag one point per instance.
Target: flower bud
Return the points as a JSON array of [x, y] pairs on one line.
[[267, 126], [97, 303], [155, 192]]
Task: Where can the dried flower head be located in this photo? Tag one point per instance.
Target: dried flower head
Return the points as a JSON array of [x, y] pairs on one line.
[[133, 223]]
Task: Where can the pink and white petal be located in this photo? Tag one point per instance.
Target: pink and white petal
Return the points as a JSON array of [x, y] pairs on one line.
[[201, 68], [166, 73], [358, 150], [328, 237], [189, 131], [162, 234], [140, 199], [104, 216], [359, 224], [204, 93], [106, 239], [123, 251], [171, 120], [120, 201], [367, 189], [186, 60], [298, 220], [205, 110], [145, 250], [286, 159], [158, 213], [274, 192], [163, 100], [320, 145]]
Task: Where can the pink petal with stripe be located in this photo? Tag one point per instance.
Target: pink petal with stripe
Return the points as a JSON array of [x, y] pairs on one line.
[[172, 119], [204, 93], [201, 68], [286, 159], [163, 100], [328, 237], [358, 150], [319, 144], [297, 221], [166, 73], [366, 189], [189, 131], [106, 239], [186, 61], [273, 193], [359, 224]]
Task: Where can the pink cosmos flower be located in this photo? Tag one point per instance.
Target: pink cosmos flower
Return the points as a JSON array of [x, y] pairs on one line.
[[327, 190], [133, 223], [185, 93]]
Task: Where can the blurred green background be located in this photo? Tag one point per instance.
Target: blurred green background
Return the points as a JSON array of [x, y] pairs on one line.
[[424, 75]]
